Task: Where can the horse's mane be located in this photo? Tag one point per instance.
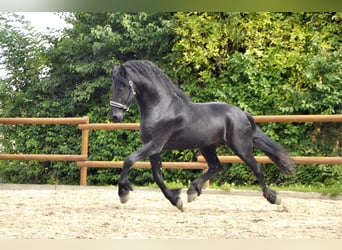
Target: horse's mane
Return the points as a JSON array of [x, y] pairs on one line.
[[143, 66]]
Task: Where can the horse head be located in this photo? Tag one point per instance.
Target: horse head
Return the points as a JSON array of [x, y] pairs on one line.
[[122, 94]]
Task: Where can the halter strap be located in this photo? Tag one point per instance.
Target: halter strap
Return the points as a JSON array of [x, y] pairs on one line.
[[124, 107], [119, 105]]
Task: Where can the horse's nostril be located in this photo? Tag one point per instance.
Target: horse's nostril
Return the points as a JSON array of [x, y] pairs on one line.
[[115, 118]]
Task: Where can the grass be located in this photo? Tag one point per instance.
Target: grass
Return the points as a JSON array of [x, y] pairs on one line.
[[332, 190], [171, 185]]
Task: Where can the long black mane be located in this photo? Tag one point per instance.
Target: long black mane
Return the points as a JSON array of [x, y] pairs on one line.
[[144, 67]]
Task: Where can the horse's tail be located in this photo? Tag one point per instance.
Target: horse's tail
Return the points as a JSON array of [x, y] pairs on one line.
[[275, 151]]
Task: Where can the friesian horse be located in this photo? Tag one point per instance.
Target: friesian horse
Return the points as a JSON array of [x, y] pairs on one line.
[[169, 121]]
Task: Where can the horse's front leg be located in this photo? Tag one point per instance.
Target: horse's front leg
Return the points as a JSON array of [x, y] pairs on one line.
[[171, 194], [124, 185]]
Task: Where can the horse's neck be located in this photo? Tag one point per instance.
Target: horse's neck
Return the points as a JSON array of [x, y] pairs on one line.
[[153, 100]]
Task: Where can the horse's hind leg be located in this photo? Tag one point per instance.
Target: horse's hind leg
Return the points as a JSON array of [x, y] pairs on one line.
[[269, 194], [214, 165], [171, 194], [244, 149]]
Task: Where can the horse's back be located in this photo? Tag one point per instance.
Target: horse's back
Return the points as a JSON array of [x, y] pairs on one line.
[[204, 124], [223, 112], [227, 118]]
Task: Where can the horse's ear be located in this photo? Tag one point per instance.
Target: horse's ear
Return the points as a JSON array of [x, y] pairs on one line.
[[115, 69], [122, 71], [119, 69]]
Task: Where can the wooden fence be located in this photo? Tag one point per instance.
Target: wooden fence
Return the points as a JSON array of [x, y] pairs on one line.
[[85, 126], [48, 157]]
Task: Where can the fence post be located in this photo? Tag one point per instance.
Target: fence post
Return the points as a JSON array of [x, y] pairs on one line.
[[84, 151]]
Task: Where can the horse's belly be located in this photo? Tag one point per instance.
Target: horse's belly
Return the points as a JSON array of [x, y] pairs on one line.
[[190, 139]]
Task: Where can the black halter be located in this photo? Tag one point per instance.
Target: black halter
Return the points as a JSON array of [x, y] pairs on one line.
[[124, 107]]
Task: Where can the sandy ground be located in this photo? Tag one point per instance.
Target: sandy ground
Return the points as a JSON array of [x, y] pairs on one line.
[[64, 212]]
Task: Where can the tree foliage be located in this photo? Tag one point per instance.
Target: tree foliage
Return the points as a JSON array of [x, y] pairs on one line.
[[290, 63], [265, 63]]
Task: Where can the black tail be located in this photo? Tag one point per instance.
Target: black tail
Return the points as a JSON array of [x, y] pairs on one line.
[[276, 152]]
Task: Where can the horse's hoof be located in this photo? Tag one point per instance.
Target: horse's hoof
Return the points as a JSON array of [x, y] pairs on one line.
[[192, 197], [124, 199], [179, 204], [278, 201]]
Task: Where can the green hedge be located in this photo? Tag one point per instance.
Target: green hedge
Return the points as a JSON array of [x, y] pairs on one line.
[[265, 63]]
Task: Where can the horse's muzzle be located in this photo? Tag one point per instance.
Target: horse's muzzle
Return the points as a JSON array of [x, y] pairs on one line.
[[116, 116]]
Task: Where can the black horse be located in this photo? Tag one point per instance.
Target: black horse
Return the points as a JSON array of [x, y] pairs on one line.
[[169, 120]]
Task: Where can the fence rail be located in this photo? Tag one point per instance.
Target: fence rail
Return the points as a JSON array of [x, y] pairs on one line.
[[142, 164], [296, 159], [298, 118], [85, 126], [67, 120], [109, 126], [42, 157]]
